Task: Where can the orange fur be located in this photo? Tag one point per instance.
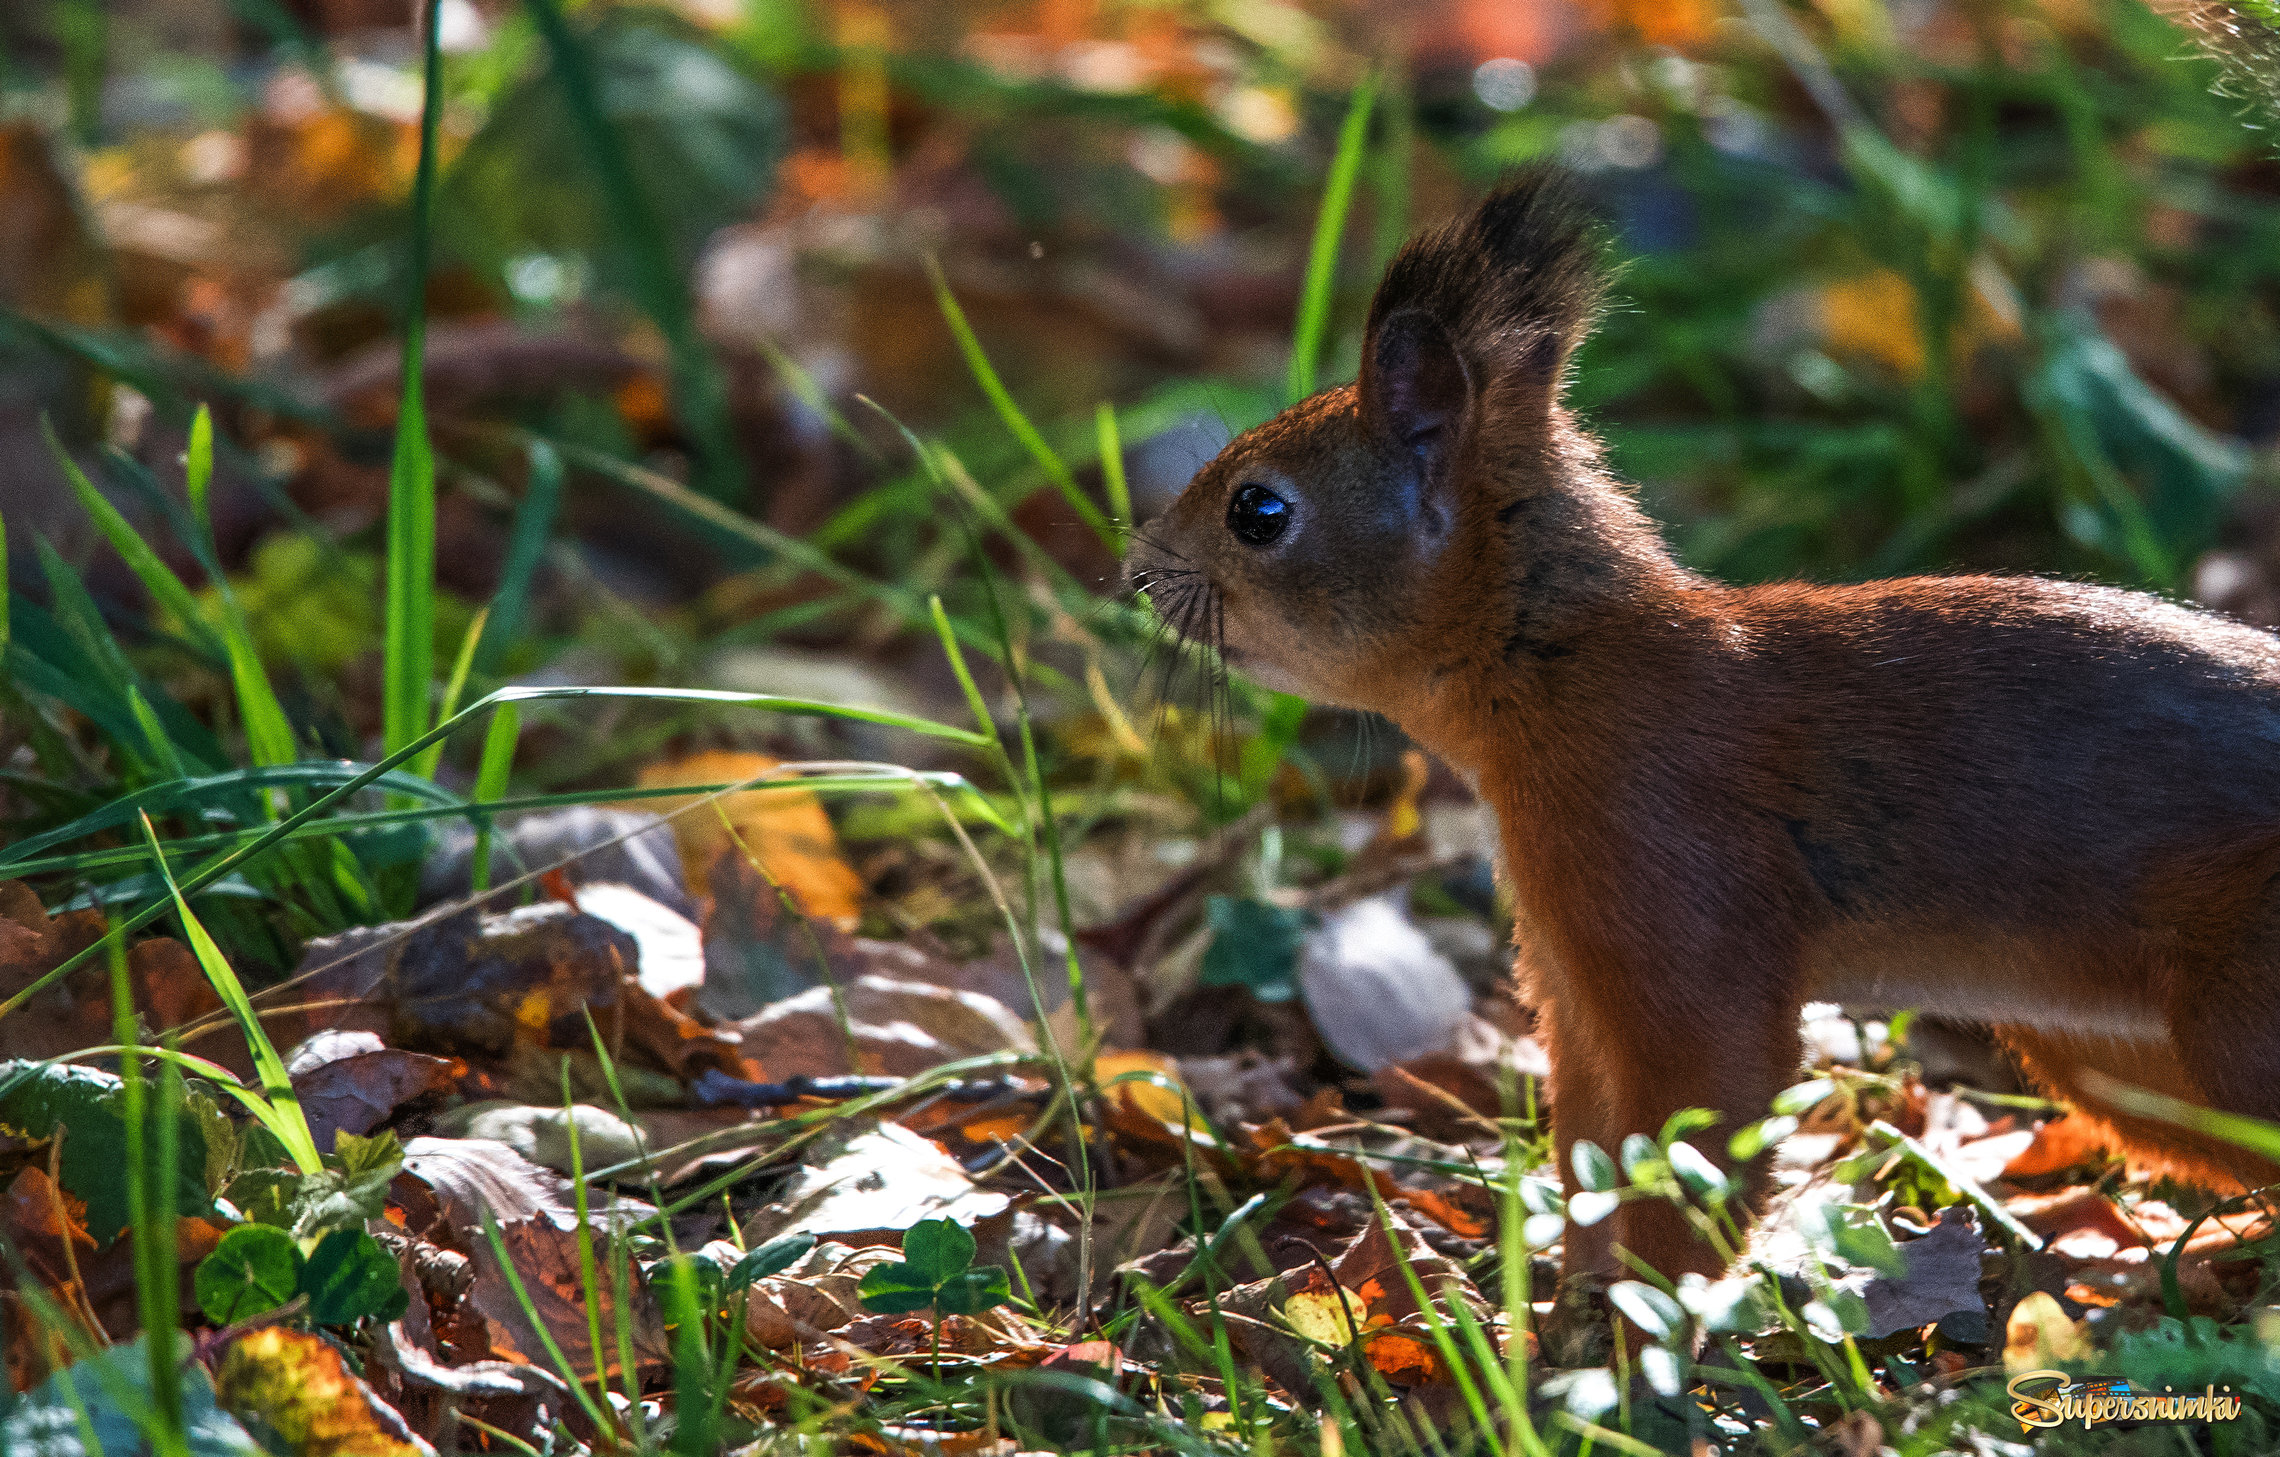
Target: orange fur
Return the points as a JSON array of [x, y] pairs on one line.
[[2051, 807]]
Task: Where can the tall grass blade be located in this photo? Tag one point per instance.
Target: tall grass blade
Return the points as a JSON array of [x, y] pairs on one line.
[[162, 748], [425, 765], [150, 1208], [408, 634], [1329, 230], [198, 464], [699, 396], [526, 546], [165, 588], [223, 864], [1112, 467], [268, 733], [491, 784], [1048, 460], [276, 1083], [972, 801], [694, 1434]]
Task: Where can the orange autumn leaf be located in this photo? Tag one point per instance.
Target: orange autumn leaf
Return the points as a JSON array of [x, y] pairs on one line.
[[2061, 1144], [999, 1127], [1401, 1357], [35, 1208], [786, 829]]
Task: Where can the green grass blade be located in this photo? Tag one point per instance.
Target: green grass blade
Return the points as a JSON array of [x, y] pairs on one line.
[[1112, 468], [221, 1077], [700, 398], [526, 546], [1329, 230], [198, 465], [151, 1222], [268, 733], [2254, 1134], [228, 785], [693, 1429], [408, 638], [276, 1083], [880, 777], [223, 864], [161, 747], [809, 393], [3, 584], [586, 1266], [165, 588], [491, 784], [1048, 460], [425, 765]]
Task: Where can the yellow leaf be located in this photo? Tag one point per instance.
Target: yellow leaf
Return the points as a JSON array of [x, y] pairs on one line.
[[2039, 1334], [1874, 315], [786, 829], [1164, 1104], [1318, 1316], [296, 1384]]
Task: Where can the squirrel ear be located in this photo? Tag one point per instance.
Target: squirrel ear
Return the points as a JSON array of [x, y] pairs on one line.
[[1415, 387]]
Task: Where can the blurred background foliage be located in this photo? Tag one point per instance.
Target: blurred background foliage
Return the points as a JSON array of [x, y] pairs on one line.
[[1906, 286]]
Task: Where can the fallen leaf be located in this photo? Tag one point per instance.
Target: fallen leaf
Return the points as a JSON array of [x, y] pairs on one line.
[[1376, 988], [1144, 1087], [1401, 1358], [451, 1183], [591, 844], [542, 1134], [350, 1082], [2059, 1144], [899, 1029], [867, 1182], [1941, 1278], [785, 829], [1332, 1318], [470, 984], [296, 1384], [2039, 1334], [815, 1297], [168, 986], [672, 953]]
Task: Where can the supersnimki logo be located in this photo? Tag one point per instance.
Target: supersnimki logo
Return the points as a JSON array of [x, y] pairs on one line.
[[2050, 1399]]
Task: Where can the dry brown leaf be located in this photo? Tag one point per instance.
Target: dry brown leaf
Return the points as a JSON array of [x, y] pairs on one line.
[[899, 1028], [450, 1183], [348, 1082]]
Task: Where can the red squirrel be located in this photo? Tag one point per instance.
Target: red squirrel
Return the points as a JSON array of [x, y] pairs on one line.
[[2050, 807]]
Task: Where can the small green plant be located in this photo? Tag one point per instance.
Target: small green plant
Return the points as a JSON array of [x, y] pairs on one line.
[[936, 1272]]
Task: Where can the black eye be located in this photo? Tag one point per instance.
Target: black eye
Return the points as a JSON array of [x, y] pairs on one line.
[[1257, 515]]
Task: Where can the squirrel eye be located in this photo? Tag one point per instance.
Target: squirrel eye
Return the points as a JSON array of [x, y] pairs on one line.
[[1257, 515]]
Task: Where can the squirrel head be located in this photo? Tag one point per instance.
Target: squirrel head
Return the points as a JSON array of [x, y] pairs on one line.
[[1324, 550]]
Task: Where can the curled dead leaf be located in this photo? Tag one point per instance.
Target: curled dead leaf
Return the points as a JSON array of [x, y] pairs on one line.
[[295, 1382]]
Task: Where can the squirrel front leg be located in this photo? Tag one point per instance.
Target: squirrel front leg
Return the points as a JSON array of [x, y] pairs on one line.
[[1628, 1048]]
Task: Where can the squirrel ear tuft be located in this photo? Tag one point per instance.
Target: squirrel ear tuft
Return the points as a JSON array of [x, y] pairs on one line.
[[1512, 288]]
